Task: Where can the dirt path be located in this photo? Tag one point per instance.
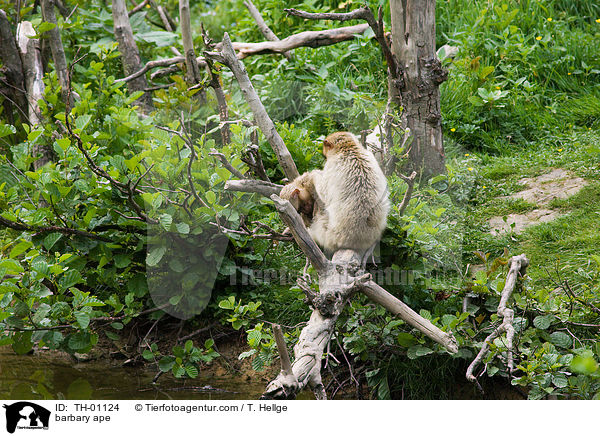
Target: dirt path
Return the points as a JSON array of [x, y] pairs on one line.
[[541, 191]]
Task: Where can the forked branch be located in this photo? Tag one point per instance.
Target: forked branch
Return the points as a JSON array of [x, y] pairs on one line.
[[518, 268]]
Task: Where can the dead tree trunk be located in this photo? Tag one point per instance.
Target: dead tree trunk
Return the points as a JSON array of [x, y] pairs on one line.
[[130, 55], [12, 69], [339, 278], [32, 67], [417, 88], [193, 72], [56, 46]]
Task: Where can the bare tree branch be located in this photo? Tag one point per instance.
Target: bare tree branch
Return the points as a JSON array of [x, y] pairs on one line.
[[310, 38], [233, 170], [410, 181], [517, 268], [138, 8], [261, 187], [215, 83], [262, 26], [262, 119], [300, 233], [397, 307], [150, 65]]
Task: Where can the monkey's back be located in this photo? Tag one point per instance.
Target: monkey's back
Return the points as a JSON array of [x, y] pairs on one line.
[[354, 190]]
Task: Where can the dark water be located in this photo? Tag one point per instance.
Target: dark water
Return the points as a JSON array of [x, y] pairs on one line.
[[51, 376]]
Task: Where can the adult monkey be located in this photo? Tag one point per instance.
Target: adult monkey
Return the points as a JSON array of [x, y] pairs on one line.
[[350, 195]]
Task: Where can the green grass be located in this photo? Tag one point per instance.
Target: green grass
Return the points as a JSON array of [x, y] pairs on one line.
[[569, 240]]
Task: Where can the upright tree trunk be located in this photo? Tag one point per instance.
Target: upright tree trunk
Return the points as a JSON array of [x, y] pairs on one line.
[[193, 72], [29, 47], [58, 52], [129, 53], [12, 67], [417, 87]]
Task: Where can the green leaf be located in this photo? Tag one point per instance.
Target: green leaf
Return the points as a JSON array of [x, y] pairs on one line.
[[160, 38], [122, 260], [183, 228], [543, 322], [188, 346], [82, 121], [166, 363], [50, 240], [254, 337], [83, 318], [45, 26], [69, 279], [20, 248], [584, 364], [155, 255], [227, 304], [7, 129], [22, 342], [79, 340], [418, 351], [166, 220], [560, 380], [191, 371], [211, 197], [112, 335], [148, 355], [561, 339], [406, 340]]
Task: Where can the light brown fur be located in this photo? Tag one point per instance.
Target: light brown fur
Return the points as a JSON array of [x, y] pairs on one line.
[[353, 190], [302, 195]]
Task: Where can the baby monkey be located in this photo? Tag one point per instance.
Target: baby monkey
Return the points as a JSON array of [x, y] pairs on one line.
[[302, 195]]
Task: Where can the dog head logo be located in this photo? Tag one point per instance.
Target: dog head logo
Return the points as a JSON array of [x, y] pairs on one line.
[[26, 415]]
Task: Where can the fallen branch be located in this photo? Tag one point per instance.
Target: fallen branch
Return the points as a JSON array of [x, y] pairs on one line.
[[310, 38], [261, 117], [518, 267]]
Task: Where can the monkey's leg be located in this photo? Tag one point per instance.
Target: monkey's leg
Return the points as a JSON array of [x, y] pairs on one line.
[[369, 253]]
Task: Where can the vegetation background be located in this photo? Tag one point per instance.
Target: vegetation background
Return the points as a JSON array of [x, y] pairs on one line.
[[523, 96]]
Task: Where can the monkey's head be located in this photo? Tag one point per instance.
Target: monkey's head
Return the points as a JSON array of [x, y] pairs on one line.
[[339, 141], [299, 197]]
